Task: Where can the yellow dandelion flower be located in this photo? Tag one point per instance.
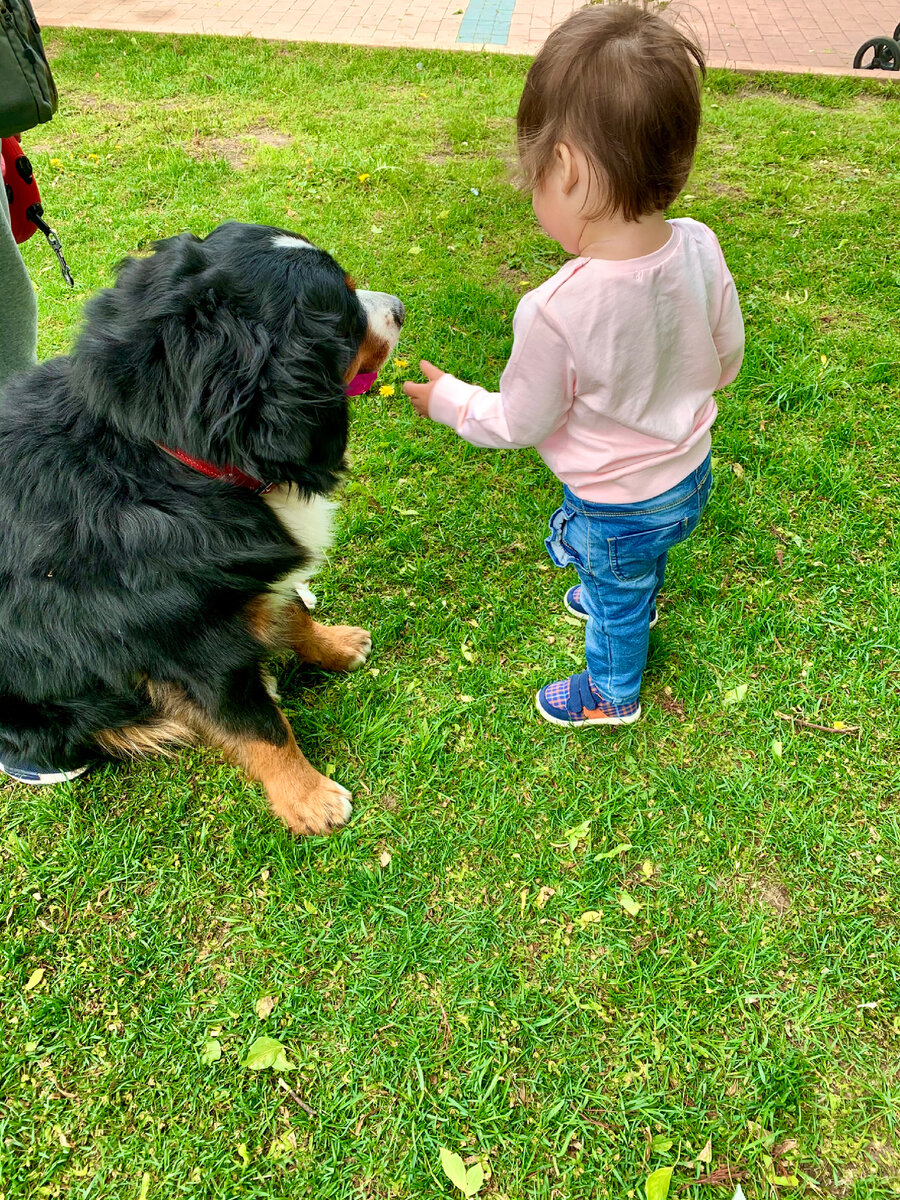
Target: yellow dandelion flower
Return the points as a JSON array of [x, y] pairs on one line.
[[365, 175], [400, 363], [56, 162], [93, 158], [387, 390]]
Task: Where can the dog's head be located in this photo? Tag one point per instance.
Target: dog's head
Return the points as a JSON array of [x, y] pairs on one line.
[[236, 348]]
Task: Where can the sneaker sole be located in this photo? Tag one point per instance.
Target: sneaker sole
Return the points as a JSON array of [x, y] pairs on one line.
[[582, 616], [635, 716], [42, 778]]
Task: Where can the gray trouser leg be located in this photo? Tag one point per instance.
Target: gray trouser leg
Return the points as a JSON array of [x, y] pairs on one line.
[[18, 305]]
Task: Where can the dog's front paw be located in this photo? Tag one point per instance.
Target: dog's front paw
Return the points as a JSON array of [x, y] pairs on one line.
[[323, 807], [357, 645]]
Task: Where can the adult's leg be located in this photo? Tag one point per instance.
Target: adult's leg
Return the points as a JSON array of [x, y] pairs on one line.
[[18, 306]]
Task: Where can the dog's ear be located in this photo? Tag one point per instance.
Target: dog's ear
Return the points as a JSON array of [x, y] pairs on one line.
[[184, 351]]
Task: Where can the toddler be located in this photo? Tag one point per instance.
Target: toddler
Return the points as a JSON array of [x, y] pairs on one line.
[[616, 357]]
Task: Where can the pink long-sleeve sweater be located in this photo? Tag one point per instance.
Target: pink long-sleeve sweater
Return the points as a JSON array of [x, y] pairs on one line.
[[613, 369]]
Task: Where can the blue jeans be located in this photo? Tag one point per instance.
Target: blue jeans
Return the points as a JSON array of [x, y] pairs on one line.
[[619, 552]]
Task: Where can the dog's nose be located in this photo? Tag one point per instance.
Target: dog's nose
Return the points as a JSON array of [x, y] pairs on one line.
[[398, 311]]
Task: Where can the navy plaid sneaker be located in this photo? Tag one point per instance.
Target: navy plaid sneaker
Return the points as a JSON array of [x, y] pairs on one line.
[[575, 701], [572, 601], [38, 776]]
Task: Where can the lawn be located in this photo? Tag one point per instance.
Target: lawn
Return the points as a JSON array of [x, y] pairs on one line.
[[572, 957]]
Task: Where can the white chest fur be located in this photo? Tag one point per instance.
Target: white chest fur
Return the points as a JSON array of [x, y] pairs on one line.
[[309, 521]]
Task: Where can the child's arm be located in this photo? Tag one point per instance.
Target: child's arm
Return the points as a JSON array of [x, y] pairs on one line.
[[728, 333], [536, 390]]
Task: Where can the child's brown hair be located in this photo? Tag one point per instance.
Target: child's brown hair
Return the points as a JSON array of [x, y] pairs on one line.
[[623, 86]]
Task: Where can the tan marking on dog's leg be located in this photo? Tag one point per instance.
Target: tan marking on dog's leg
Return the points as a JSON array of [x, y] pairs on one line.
[[334, 647], [158, 736], [265, 621], [304, 800], [162, 733]]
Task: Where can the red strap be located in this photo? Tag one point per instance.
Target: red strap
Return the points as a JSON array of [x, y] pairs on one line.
[[228, 474]]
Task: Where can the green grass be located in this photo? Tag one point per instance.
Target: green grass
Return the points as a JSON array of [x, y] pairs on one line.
[[447, 998]]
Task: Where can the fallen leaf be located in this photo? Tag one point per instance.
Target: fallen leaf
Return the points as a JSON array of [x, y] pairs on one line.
[[210, 1052], [468, 1181], [145, 1186], [777, 749], [540, 900], [660, 1144], [656, 1186], [242, 1153], [385, 859], [264, 1006], [736, 695], [647, 869], [283, 1146], [267, 1053], [591, 917], [738, 470], [705, 1155], [34, 979], [630, 905], [577, 834], [621, 848]]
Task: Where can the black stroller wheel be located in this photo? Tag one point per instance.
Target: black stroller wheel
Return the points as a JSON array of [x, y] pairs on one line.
[[885, 55], [897, 34]]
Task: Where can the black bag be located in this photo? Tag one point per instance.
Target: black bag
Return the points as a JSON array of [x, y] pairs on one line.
[[27, 91]]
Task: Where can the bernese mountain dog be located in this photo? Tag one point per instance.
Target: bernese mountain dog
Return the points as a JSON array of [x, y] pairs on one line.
[[163, 501]]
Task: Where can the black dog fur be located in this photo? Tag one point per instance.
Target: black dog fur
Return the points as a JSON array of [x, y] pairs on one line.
[[121, 568]]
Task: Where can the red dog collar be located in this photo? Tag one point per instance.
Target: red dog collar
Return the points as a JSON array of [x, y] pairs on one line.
[[357, 385], [227, 474]]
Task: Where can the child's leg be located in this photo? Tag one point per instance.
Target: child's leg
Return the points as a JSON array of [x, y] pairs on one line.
[[620, 554], [618, 632], [660, 579]]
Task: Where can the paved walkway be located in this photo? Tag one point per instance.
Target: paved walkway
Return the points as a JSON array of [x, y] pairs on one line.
[[820, 36]]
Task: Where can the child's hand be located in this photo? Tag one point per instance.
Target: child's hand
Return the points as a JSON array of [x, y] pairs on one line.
[[420, 393]]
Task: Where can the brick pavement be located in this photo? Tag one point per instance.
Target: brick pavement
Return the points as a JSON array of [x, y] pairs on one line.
[[787, 35]]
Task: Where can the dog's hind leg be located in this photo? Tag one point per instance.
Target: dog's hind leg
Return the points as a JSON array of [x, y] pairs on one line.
[[251, 729]]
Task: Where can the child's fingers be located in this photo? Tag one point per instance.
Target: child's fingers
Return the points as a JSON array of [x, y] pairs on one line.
[[415, 391], [430, 371]]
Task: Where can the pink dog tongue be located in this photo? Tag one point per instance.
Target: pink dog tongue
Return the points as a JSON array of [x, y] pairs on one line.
[[361, 383]]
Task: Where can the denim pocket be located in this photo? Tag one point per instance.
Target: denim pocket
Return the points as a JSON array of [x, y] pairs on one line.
[[559, 547], [635, 555]]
